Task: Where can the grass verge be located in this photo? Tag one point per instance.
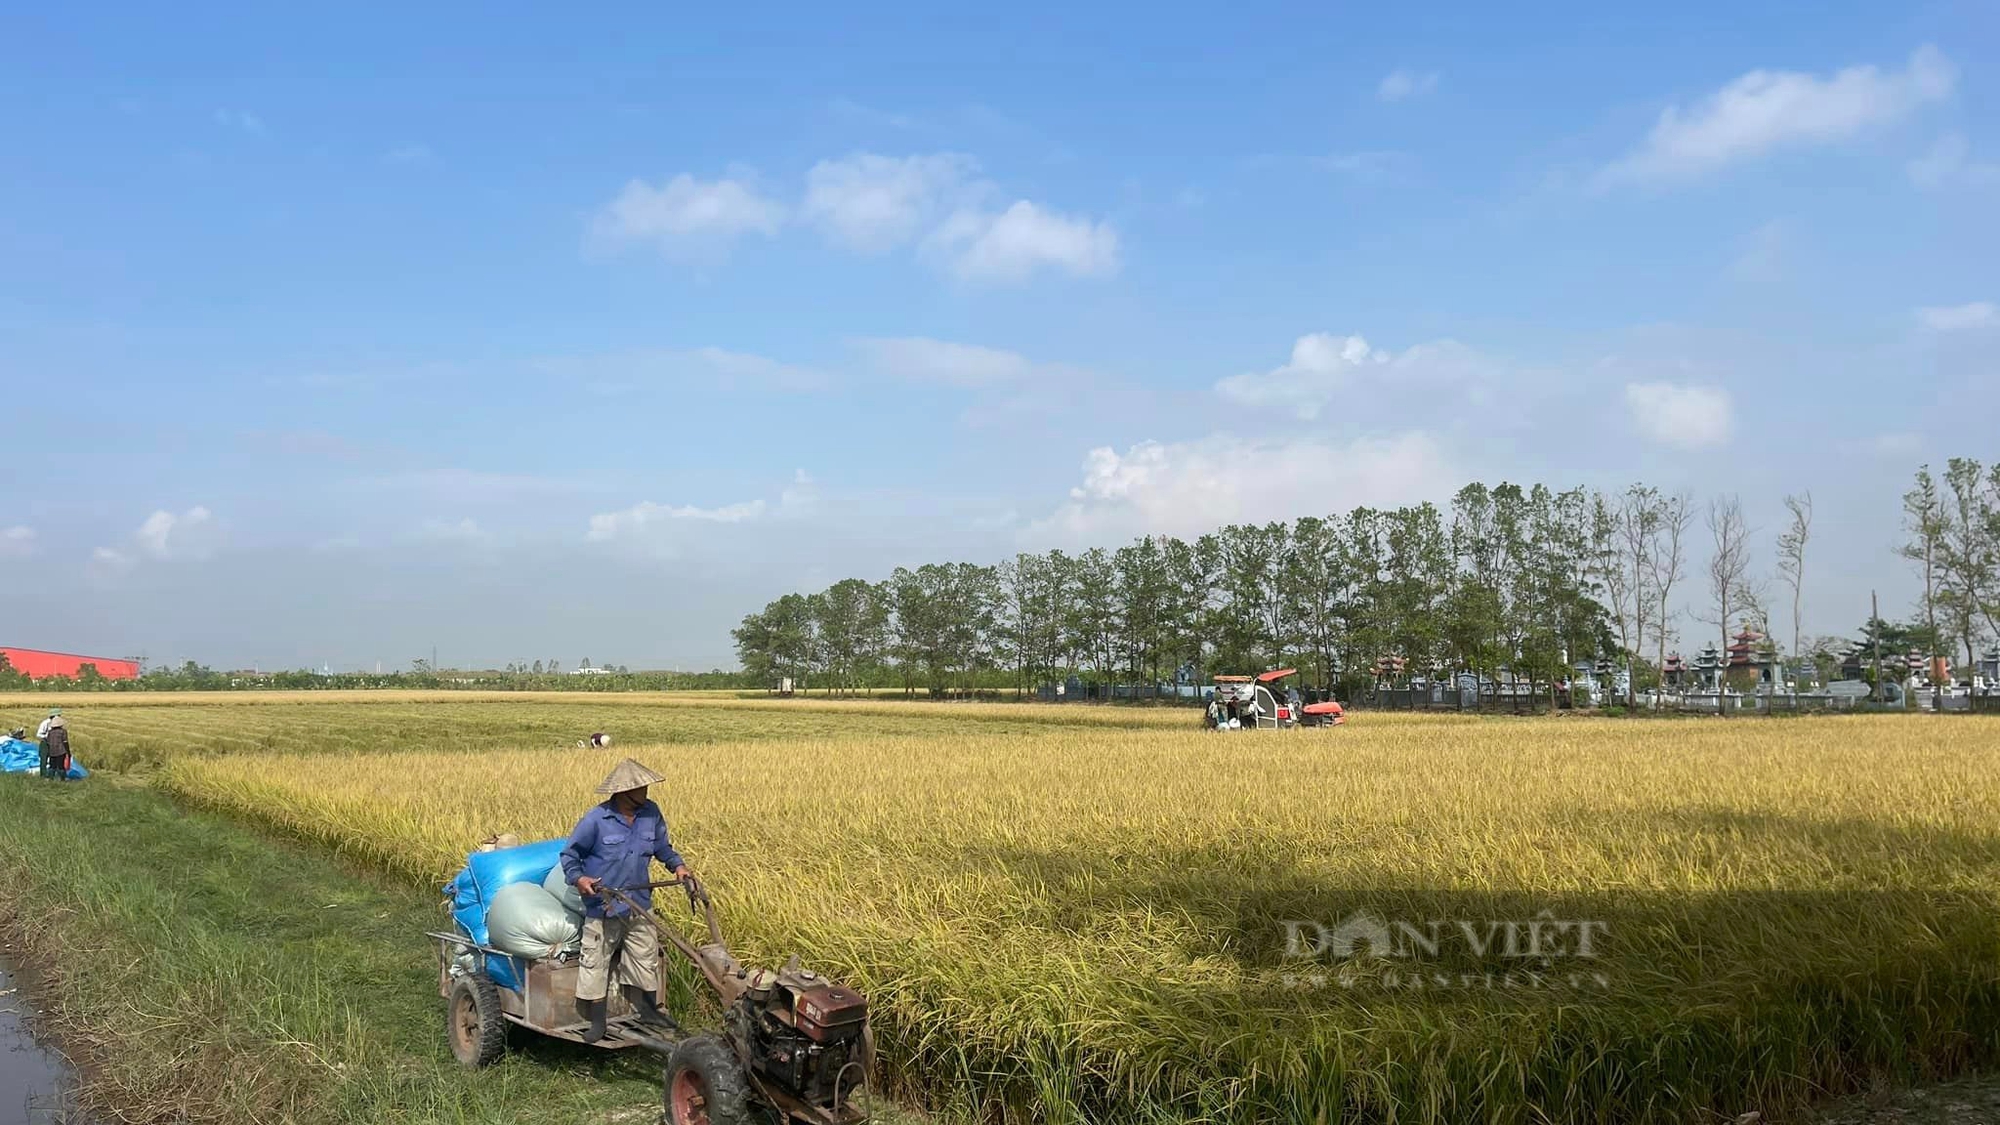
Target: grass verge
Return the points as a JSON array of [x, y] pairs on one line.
[[197, 971]]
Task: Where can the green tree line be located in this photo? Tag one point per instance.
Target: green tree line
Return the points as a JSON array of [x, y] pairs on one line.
[[1523, 581]]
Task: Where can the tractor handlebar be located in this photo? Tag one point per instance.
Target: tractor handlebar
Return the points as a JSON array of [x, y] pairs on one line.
[[697, 894]]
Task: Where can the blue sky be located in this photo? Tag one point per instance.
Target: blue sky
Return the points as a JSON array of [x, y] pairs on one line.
[[329, 337]]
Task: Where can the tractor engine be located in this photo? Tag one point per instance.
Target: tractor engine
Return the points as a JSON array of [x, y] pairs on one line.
[[804, 1034]]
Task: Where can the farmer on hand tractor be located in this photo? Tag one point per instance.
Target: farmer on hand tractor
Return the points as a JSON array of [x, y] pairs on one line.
[[614, 846]]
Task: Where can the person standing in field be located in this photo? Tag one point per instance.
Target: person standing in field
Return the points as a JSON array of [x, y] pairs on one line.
[[614, 845], [54, 734]]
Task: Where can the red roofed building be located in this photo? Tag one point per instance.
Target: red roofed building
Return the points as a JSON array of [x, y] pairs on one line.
[[1743, 654], [37, 664]]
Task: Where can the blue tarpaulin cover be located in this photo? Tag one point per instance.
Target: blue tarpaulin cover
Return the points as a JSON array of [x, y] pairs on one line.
[[17, 756], [472, 890]]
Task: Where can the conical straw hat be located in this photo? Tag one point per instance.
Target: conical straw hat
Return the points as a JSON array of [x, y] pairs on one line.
[[629, 775]]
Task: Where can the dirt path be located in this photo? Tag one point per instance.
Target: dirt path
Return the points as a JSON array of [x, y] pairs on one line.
[[1968, 1101]]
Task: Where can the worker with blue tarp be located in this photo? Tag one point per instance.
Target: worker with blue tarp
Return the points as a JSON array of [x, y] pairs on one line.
[[54, 735]]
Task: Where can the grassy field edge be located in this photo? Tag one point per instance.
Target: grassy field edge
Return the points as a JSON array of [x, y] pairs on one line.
[[197, 970]]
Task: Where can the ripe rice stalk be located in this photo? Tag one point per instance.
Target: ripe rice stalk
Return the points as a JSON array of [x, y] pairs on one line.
[[1084, 922]]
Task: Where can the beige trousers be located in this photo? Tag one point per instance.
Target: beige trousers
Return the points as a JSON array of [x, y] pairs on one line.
[[631, 943]]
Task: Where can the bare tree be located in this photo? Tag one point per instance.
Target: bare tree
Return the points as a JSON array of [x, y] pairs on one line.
[[1667, 561], [1639, 528], [1728, 568], [1792, 559], [1607, 562], [1924, 518]]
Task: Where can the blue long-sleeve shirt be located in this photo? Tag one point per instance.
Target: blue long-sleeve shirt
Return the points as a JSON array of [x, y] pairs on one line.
[[618, 854]]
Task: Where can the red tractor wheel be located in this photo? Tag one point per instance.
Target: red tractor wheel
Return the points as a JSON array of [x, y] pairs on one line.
[[706, 1086]]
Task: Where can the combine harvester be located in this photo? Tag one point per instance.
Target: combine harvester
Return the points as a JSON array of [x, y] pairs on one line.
[[1252, 703]]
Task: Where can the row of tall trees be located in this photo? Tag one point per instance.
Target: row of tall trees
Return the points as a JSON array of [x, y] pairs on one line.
[[1509, 577], [1523, 579], [1954, 543]]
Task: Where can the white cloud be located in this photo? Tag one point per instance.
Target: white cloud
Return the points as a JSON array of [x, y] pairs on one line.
[[874, 203], [799, 496], [697, 369], [1960, 318], [1949, 164], [105, 560], [1008, 388], [17, 542], [1687, 417], [1011, 245], [733, 368], [187, 535], [923, 359], [1323, 366], [462, 531], [871, 203], [1400, 84], [685, 211], [1771, 109], [611, 525], [1187, 488]]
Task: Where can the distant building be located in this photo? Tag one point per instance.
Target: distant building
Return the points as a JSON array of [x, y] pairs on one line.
[[1752, 651], [1708, 669], [37, 664], [1388, 669], [1804, 673], [1605, 683], [1674, 670], [1852, 663], [1743, 652]]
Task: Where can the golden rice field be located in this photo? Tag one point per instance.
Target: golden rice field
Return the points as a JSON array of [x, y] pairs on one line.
[[136, 730], [1064, 920]]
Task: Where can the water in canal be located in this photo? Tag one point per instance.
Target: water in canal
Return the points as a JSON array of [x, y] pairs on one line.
[[34, 1082]]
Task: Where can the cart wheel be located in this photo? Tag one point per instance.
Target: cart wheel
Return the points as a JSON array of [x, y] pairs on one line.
[[473, 1023], [706, 1086]]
